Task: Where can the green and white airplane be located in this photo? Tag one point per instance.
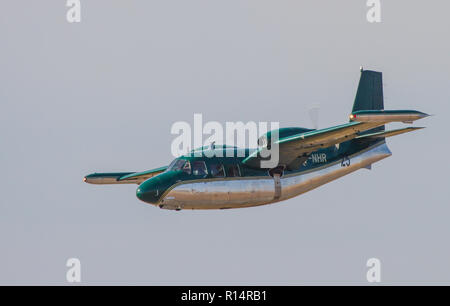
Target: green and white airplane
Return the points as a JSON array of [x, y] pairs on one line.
[[308, 158]]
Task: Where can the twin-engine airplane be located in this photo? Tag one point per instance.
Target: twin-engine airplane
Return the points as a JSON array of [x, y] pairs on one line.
[[307, 159]]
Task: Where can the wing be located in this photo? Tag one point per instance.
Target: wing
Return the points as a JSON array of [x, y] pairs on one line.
[[293, 150], [385, 134], [122, 177]]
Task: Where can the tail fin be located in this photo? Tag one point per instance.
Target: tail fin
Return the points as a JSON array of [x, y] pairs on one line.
[[370, 93]]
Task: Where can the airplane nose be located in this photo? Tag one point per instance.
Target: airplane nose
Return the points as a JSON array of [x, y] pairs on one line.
[[140, 194], [148, 193]]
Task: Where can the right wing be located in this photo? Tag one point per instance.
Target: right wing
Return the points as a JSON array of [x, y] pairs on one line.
[[294, 149], [122, 177]]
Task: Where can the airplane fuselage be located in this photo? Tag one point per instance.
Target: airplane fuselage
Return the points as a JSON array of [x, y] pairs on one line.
[[252, 187]]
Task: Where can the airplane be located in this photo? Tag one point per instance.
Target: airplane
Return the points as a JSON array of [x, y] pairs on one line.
[[308, 158]]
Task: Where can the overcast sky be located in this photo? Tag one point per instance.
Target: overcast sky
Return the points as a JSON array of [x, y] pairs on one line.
[[101, 95]]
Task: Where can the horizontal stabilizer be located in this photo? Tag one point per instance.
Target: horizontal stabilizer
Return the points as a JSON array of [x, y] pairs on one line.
[[385, 134], [406, 116]]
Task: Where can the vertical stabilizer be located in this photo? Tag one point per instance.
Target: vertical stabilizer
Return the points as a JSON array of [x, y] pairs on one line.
[[370, 93]]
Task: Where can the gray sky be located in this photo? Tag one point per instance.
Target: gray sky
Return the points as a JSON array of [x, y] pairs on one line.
[[101, 95]]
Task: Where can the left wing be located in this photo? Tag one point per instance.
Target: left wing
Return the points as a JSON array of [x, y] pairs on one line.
[[122, 177]]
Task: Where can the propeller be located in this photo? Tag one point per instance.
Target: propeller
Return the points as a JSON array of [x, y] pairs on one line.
[[314, 115]]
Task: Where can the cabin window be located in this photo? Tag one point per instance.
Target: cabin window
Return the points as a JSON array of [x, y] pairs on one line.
[[187, 167], [233, 170], [217, 170], [199, 168]]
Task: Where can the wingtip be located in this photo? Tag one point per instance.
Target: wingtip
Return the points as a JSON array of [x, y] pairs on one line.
[[424, 115], [415, 128]]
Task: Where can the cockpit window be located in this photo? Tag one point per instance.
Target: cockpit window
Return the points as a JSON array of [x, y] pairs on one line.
[[180, 165], [217, 170], [176, 165], [199, 168]]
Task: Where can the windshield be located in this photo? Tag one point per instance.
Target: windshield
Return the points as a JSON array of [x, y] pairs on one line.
[[180, 165], [176, 165]]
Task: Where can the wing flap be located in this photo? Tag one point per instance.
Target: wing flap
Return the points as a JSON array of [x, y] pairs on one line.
[[385, 134], [122, 177]]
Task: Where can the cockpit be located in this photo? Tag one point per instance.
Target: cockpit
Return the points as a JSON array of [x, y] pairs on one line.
[[180, 165], [199, 168]]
